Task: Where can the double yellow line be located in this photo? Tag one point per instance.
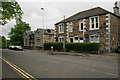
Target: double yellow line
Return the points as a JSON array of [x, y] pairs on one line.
[[19, 70]]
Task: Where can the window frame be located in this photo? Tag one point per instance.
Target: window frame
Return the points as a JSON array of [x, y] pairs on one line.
[[95, 22], [70, 27], [61, 39], [61, 28], [94, 38], [80, 25]]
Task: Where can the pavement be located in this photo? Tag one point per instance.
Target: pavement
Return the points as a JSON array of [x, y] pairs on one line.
[[41, 64], [79, 54]]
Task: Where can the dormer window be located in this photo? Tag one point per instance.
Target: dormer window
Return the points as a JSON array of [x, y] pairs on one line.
[[94, 23]]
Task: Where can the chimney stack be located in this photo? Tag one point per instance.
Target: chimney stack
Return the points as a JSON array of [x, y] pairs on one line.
[[64, 17], [116, 8]]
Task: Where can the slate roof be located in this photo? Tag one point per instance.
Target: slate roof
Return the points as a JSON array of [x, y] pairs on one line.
[[30, 32], [46, 31], [87, 13]]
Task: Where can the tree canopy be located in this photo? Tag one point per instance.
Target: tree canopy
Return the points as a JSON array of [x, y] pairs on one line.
[[4, 43], [10, 10], [16, 34]]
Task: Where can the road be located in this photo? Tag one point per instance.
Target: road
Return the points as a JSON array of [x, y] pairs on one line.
[[39, 64]]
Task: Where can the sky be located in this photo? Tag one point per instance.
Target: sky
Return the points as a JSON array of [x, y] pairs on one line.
[[54, 10]]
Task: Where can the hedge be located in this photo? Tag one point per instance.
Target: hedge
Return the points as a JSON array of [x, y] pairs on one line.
[[56, 46], [82, 46]]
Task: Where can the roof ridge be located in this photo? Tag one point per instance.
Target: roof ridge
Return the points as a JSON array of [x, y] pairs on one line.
[[85, 11]]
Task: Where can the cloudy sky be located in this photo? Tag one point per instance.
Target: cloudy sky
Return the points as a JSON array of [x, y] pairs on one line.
[[54, 10]]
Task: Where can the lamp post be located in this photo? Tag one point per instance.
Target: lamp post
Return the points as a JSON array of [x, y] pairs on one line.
[[43, 26]]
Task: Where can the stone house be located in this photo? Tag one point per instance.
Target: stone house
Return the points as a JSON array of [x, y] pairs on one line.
[[93, 25], [34, 39]]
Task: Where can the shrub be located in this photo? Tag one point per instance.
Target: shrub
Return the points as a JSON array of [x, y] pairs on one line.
[[82, 46], [56, 46]]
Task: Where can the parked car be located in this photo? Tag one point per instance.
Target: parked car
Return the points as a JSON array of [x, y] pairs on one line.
[[19, 48], [11, 47], [15, 48]]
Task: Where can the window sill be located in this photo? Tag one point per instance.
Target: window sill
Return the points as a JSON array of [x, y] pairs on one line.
[[94, 29], [94, 42], [80, 30], [61, 32], [70, 31]]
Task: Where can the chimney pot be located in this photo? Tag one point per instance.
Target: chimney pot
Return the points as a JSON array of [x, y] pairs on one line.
[[116, 8], [64, 17], [116, 4]]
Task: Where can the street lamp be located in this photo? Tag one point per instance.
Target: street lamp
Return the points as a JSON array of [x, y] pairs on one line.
[[43, 26]]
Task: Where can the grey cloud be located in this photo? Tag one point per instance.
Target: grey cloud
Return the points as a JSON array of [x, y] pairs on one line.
[[53, 12]]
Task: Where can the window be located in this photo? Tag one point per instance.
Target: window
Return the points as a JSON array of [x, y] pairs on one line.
[[70, 28], [94, 23], [76, 38], [38, 34], [81, 40], [81, 26], [96, 19], [94, 38], [92, 19], [61, 28], [61, 39]]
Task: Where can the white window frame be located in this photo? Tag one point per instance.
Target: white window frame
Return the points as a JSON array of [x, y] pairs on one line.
[[70, 27], [94, 38], [61, 28], [94, 23], [79, 40], [61, 39], [80, 25]]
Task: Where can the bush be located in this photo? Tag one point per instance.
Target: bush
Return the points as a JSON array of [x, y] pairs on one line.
[[82, 46], [56, 46]]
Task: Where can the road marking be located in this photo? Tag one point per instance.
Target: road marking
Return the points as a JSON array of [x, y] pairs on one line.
[[103, 72], [19, 70]]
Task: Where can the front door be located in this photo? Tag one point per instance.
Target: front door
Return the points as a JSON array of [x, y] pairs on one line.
[[71, 39]]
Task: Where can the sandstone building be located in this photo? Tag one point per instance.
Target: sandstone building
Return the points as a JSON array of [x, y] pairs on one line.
[[93, 25], [34, 39]]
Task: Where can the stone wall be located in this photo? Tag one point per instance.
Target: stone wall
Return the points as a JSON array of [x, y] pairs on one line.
[[26, 39], [39, 38], [115, 31], [108, 30]]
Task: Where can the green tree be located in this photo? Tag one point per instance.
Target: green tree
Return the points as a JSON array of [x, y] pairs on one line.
[[10, 10], [16, 34], [3, 42]]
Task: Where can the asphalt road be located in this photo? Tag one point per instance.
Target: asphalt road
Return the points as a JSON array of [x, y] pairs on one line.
[[42, 65]]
